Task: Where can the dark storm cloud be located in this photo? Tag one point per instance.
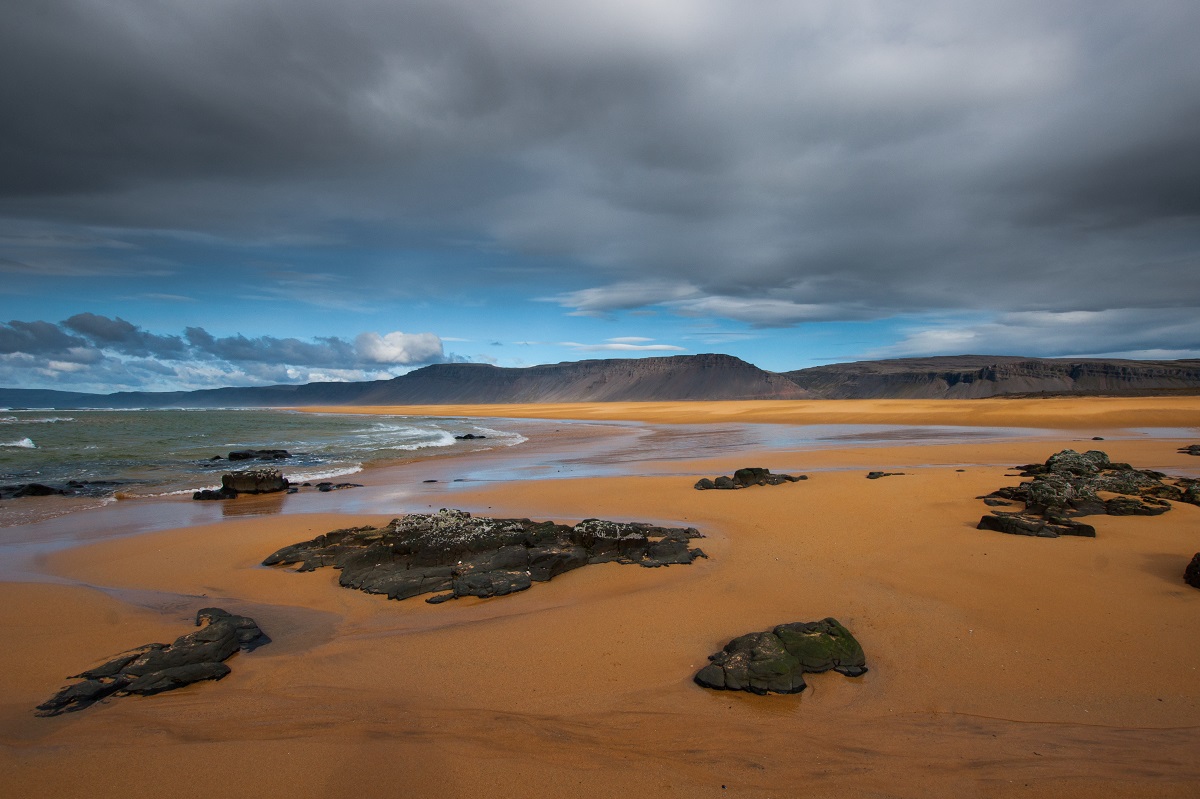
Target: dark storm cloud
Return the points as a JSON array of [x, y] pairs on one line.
[[776, 164], [117, 334], [37, 338], [268, 349]]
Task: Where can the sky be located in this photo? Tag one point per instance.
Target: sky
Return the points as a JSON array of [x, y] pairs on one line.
[[197, 194]]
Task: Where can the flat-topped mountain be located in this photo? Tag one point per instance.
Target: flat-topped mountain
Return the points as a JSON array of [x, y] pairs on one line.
[[674, 379], [975, 376]]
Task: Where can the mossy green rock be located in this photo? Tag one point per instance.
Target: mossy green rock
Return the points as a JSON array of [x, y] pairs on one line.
[[775, 661]]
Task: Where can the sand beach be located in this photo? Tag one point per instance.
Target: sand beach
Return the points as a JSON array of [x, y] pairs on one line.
[[999, 665]]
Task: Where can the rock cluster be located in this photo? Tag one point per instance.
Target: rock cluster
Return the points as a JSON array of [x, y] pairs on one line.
[[454, 554], [776, 660], [1068, 485], [749, 476], [154, 668], [1190, 449], [250, 481]]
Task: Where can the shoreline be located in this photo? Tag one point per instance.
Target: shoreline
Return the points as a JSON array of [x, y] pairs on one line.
[[1000, 665], [1065, 413]]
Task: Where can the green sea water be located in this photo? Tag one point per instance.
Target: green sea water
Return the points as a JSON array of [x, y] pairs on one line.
[[150, 452]]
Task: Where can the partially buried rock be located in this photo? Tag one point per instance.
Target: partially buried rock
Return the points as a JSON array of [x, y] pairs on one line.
[[30, 490], [154, 668], [776, 660], [454, 554], [251, 481], [1068, 485], [469, 437], [1190, 449], [746, 477], [327, 487], [1191, 575], [877, 475]]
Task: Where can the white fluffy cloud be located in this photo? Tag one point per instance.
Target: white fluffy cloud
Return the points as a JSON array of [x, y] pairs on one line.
[[399, 348]]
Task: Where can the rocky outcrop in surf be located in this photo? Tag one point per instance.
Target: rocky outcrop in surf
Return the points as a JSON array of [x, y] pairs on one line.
[[775, 661], [154, 668], [453, 554], [72, 488], [250, 481]]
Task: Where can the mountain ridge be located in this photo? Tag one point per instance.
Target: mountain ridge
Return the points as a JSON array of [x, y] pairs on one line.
[[677, 378]]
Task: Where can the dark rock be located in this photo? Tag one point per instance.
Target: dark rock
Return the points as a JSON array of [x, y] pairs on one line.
[[208, 493], [463, 555], [1014, 524], [154, 668], [259, 455], [1191, 575], [746, 477], [776, 660], [251, 481], [326, 487], [1068, 485], [429, 481], [469, 437], [877, 475], [94, 488], [1097, 438], [176, 677], [1128, 506], [36, 490], [1190, 449], [995, 502]]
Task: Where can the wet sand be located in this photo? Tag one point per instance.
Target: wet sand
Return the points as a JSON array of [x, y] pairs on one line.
[[1000, 665], [1059, 413]]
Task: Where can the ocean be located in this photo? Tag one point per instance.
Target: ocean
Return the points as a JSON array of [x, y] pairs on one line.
[[141, 453]]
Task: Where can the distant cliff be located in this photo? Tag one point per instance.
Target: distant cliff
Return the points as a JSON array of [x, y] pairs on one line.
[[673, 379], [976, 376]]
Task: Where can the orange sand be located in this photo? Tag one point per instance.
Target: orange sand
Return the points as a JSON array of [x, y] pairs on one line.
[[1000, 665]]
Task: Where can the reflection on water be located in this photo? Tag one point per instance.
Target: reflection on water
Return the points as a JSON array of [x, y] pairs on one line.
[[259, 505]]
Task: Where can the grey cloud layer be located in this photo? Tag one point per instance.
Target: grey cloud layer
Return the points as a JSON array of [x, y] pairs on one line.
[[773, 163], [118, 352]]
